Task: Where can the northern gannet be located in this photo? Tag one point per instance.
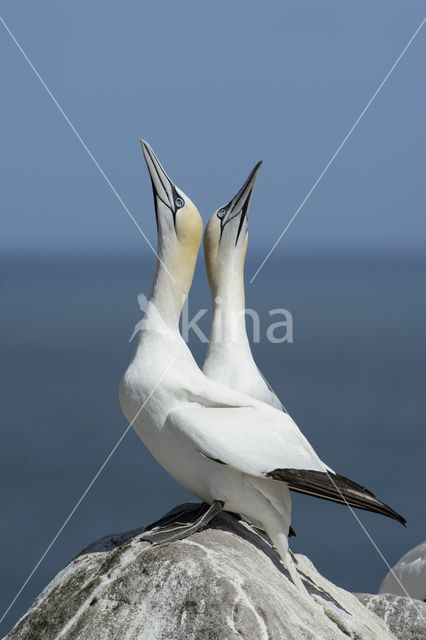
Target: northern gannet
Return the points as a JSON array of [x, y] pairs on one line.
[[227, 448], [229, 359], [410, 572]]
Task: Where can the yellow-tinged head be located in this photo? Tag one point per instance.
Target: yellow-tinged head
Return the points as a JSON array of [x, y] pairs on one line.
[[179, 223], [225, 238]]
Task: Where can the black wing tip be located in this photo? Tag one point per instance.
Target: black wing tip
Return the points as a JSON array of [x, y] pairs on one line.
[[336, 488], [400, 518], [391, 513]]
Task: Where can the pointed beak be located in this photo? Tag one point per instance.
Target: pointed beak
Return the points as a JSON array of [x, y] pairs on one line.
[[238, 207], [163, 188]]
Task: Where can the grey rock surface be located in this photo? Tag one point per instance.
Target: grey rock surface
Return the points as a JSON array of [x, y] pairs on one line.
[[223, 583], [405, 617]]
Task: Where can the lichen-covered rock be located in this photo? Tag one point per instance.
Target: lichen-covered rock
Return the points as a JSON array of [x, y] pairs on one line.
[[223, 583], [405, 617]]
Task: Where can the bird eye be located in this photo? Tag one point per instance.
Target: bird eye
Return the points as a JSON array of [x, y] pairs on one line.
[[179, 202], [221, 213]]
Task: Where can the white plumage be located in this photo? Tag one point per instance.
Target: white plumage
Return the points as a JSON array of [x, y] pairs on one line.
[[218, 443], [229, 359], [410, 572]]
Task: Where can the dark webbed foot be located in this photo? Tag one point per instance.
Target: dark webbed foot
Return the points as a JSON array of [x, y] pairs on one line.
[[179, 524]]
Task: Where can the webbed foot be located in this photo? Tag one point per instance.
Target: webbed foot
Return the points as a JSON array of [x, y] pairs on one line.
[[179, 524]]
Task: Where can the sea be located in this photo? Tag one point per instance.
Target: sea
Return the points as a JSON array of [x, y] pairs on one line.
[[349, 366]]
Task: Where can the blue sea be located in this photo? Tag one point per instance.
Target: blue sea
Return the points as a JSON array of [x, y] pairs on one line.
[[353, 379]]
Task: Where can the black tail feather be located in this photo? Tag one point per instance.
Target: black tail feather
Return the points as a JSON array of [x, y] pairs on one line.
[[331, 486]]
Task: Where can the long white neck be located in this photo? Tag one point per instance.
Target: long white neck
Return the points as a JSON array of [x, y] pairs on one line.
[[229, 359], [167, 296], [228, 322], [172, 280]]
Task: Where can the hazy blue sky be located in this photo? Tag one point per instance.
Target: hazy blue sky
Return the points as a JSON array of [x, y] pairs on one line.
[[214, 87]]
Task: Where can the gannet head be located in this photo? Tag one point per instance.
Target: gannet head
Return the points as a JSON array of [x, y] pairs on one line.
[[225, 238], [179, 224]]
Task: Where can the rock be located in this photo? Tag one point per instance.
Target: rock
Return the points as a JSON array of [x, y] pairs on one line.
[[223, 583], [405, 617]]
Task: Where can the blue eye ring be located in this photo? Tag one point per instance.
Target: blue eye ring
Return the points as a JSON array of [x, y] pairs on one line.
[[179, 202], [221, 213]]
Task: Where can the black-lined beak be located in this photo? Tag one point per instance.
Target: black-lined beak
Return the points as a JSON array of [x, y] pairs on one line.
[[164, 190], [237, 208]]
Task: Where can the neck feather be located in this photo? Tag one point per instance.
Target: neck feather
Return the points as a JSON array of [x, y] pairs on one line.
[[171, 284], [228, 322]]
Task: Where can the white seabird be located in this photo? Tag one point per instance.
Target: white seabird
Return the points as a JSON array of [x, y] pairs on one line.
[[206, 435], [410, 572], [229, 359]]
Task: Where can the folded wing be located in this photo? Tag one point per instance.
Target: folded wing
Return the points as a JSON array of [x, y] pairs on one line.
[[267, 443], [246, 438]]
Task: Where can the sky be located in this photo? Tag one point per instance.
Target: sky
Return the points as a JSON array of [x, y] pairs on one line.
[[214, 87]]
